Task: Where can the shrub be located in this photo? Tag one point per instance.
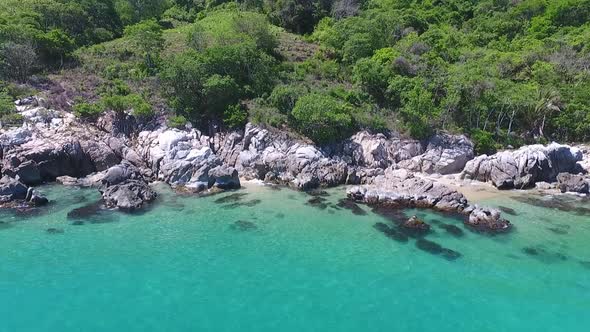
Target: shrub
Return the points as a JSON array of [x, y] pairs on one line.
[[177, 121], [12, 119], [322, 118], [235, 116], [87, 110], [118, 104], [284, 97], [484, 142]]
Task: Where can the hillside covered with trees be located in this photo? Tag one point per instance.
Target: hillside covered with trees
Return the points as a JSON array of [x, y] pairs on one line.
[[505, 72]]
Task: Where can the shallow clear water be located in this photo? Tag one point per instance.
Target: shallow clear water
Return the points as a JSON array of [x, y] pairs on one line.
[[186, 265]]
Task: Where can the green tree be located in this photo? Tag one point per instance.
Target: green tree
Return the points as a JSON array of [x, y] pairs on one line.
[[147, 37]]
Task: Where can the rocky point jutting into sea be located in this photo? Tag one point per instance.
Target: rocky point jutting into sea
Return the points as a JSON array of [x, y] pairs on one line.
[[121, 158]]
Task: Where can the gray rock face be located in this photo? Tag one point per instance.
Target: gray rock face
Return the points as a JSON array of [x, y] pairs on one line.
[[13, 190], [74, 150], [130, 195], [273, 156], [524, 167], [224, 177], [123, 187], [400, 189], [445, 154], [184, 159], [377, 150], [485, 219], [572, 183]]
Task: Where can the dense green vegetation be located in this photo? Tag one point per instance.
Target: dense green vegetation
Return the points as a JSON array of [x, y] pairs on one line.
[[504, 72]]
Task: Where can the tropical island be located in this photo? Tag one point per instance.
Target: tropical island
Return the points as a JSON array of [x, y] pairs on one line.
[[410, 105]]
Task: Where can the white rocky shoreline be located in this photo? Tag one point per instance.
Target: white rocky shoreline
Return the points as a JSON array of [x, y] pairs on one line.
[[121, 158]]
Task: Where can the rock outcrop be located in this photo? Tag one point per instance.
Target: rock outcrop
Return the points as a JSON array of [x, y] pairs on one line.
[[124, 187], [524, 167], [40, 153], [573, 183], [12, 190], [484, 219], [184, 159], [274, 156], [445, 154], [130, 195], [401, 189]]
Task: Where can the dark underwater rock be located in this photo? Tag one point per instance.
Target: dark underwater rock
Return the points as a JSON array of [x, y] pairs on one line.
[[429, 246], [243, 225], [415, 227], [395, 215], [318, 192], [54, 231], [544, 255], [317, 202], [391, 232], [452, 229], [232, 198], [350, 205], [559, 229], [85, 212], [507, 210], [249, 203], [450, 255]]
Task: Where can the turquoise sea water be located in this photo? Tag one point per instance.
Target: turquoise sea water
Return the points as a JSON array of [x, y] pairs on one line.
[[269, 261]]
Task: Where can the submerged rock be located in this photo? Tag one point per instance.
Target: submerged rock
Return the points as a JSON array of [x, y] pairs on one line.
[[85, 212], [243, 225], [55, 231], [350, 205], [391, 232], [231, 198], [452, 229], [415, 227]]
